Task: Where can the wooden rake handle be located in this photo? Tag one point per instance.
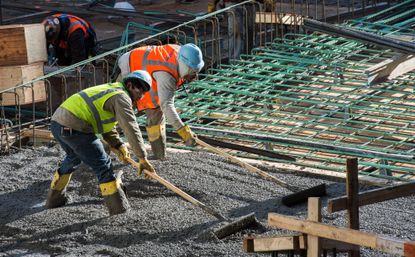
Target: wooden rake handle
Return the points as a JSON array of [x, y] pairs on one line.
[[178, 191], [247, 166]]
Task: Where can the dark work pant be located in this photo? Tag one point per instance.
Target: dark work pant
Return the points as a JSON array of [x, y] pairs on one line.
[[83, 147]]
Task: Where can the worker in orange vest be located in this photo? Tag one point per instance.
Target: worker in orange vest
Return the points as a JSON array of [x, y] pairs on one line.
[[72, 38], [170, 66]]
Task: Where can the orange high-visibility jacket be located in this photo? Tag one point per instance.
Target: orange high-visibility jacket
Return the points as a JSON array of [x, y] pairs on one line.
[[152, 59], [74, 24]]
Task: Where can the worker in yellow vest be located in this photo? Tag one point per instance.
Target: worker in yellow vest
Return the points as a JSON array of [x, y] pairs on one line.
[[97, 110]]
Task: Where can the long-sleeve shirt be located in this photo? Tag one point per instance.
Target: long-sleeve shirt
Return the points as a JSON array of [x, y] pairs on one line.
[[166, 87], [122, 107]]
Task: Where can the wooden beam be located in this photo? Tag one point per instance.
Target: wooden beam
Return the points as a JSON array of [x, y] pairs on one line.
[[390, 69], [270, 244], [352, 191], [23, 44], [314, 214], [382, 243], [11, 76], [37, 134], [253, 244], [373, 196]]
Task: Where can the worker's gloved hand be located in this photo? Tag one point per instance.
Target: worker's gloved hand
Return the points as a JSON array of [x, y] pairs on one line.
[[187, 135], [145, 165], [123, 153], [211, 7]]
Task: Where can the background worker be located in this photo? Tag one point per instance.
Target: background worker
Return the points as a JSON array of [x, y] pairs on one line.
[[170, 67], [72, 38], [97, 110]]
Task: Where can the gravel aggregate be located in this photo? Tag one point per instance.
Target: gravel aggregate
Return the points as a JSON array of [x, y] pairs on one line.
[[160, 223]]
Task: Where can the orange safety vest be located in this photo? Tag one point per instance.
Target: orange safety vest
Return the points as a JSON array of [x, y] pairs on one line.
[[74, 24], [152, 59]]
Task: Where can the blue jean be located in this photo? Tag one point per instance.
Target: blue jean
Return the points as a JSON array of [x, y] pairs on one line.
[[83, 147]]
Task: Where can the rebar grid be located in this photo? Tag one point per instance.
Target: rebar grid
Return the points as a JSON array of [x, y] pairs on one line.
[[311, 87]]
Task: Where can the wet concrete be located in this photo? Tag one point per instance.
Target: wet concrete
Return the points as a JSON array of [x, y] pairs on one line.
[[160, 222]]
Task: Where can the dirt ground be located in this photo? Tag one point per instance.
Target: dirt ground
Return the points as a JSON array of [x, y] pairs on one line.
[[160, 222]]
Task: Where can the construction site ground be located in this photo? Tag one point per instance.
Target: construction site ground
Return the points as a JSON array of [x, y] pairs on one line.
[[160, 223]]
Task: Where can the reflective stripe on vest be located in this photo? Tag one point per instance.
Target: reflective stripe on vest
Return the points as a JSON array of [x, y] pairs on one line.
[[88, 105], [153, 59]]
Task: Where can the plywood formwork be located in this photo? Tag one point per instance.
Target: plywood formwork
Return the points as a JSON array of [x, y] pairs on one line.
[[11, 76], [22, 44]]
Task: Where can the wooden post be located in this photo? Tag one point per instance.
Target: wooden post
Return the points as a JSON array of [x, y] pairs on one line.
[[314, 214], [352, 192]]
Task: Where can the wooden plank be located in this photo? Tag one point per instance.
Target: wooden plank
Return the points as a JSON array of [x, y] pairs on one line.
[[287, 243], [352, 191], [346, 235], [278, 18], [390, 68], [22, 44], [270, 244], [314, 214], [327, 244], [10, 76], [373, 196], [37, 134]]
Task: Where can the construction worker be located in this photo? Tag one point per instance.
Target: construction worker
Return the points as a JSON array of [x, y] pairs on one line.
[[170, 67], [97, 110], [72, 38]]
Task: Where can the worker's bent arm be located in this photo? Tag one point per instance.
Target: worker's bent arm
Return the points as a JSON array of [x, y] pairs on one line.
[[76, 42], [166, 87], [121, 105], [113, 138]]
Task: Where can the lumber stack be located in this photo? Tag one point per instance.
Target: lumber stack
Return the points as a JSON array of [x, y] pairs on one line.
[[22, 56]]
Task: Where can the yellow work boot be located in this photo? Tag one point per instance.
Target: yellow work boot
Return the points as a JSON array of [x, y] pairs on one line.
[[57, 196], [157, 137], [114, 197]]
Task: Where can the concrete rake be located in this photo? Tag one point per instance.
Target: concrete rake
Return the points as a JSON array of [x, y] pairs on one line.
[[230, 227], [299, 194]]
